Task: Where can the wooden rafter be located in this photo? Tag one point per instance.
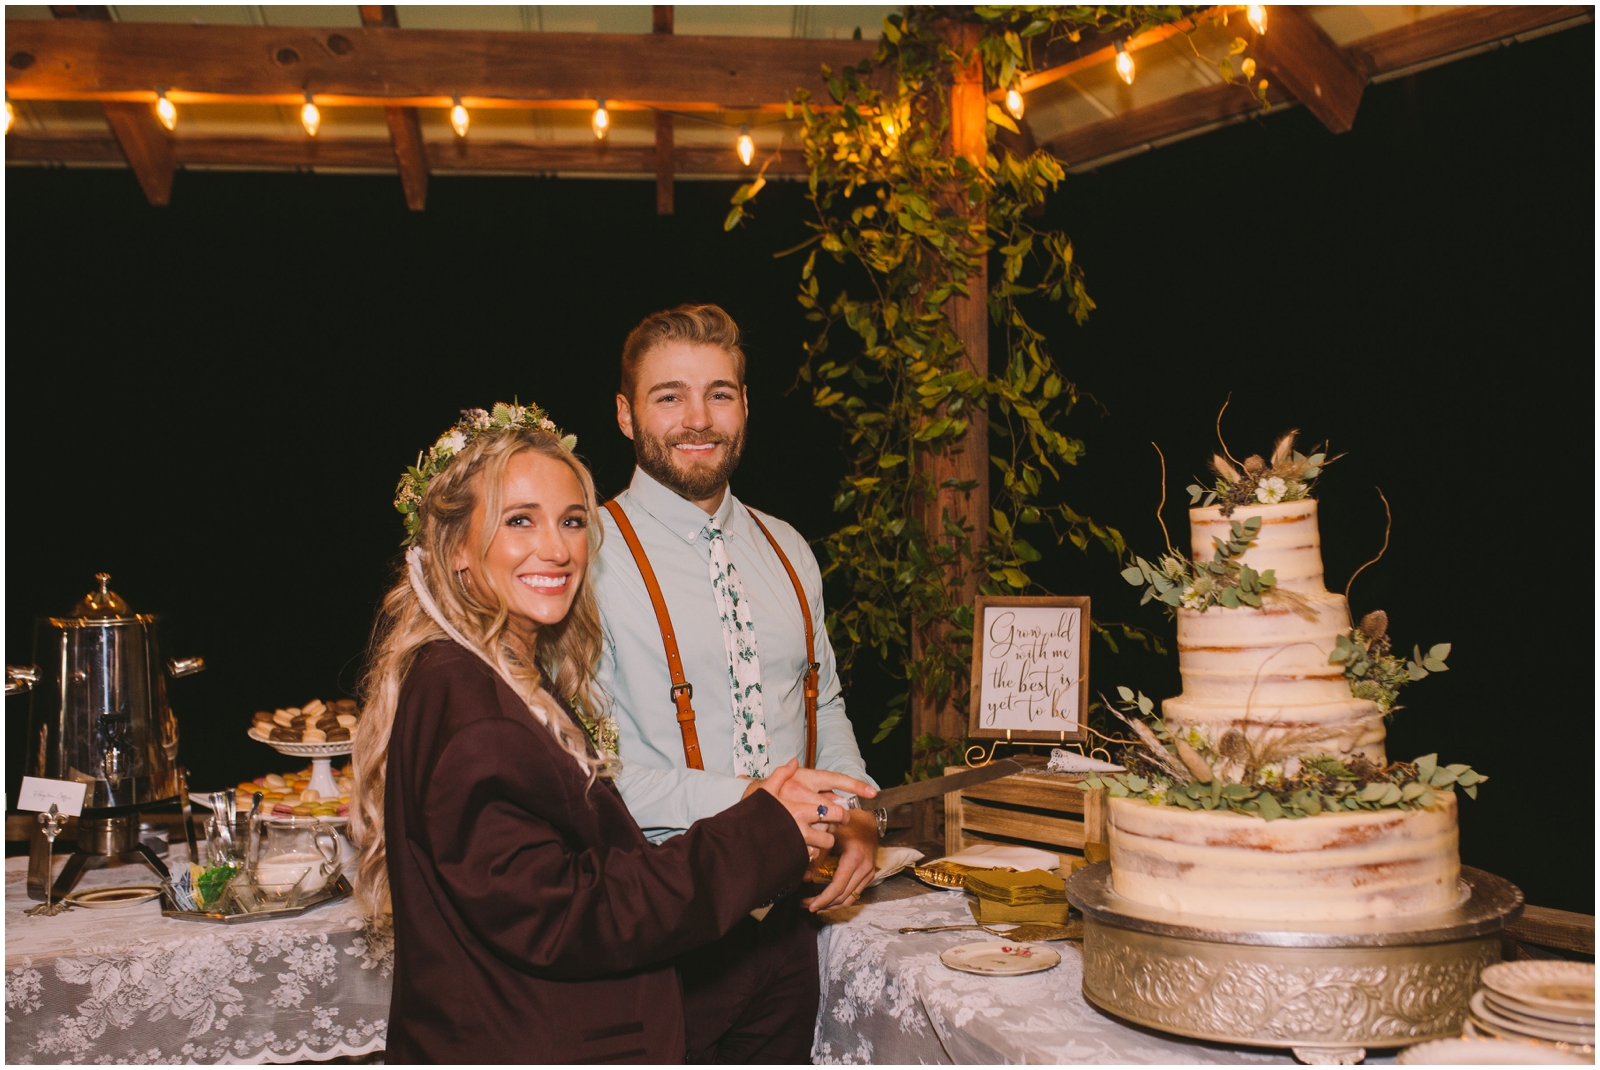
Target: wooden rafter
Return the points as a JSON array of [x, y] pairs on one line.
[[405, 128], [1299, 55], [1458, 30], [473, 154], [143, 142], [1423, 42], [377, 65]]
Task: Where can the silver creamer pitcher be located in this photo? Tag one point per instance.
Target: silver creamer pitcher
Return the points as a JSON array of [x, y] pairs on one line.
[[98, 713]]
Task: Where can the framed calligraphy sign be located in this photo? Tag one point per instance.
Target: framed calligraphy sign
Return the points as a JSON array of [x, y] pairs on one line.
[[1030, 668]]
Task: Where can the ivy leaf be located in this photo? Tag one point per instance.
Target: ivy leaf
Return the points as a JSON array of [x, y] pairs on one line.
[[1425, 767], [1125, 692], [1000, 118], [889, 460], [1135, 577]]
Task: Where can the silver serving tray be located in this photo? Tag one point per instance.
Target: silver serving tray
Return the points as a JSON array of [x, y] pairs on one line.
[[339, 889]]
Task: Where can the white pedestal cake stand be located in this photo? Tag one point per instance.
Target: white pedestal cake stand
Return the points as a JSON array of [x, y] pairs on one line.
[[1328, 990], [321, 755]]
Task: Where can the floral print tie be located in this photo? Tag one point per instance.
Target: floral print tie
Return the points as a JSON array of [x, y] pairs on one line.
[[750, 756]]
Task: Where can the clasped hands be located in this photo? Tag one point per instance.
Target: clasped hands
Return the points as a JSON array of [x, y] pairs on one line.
[[825, 824]]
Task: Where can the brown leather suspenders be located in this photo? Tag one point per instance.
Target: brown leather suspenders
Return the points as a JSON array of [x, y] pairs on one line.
[[811, 646], [682, 690]]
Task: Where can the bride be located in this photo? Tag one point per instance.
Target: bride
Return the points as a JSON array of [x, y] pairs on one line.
[[533, 921]]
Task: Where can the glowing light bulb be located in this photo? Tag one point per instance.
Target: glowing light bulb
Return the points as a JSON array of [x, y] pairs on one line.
[[11, 116], [1014, 103], [1124, 65], [1256, 16], [166, 112], [459, 118], [310, 117], [891, 133], [600, 123], [747, 146]]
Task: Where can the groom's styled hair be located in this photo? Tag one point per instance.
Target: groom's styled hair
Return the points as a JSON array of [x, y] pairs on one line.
[[695, 324]]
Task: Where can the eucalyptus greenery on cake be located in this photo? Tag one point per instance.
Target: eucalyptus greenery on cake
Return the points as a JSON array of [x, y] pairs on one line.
[[1225, 580], [1374, 673], [1188, 769]]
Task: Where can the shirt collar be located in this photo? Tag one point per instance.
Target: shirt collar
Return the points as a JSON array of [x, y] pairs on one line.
[[678, 514]]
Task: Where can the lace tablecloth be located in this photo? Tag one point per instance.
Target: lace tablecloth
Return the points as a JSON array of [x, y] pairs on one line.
[[886, 998], [127, 985]]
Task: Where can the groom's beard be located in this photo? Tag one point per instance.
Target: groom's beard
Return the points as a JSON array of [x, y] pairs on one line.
[[694, 480]]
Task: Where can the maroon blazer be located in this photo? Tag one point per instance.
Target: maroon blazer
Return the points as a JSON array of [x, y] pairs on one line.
[[533, 920]]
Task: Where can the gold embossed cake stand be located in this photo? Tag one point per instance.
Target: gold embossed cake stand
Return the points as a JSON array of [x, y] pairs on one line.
[[1329, 990]]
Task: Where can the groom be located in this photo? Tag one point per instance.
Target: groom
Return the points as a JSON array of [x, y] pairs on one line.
[[715, 676]]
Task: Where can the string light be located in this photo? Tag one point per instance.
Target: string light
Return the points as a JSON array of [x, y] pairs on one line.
[[747, 146], [310, 117], [165, 111], [459, 118], [11, 115], [891, 133], [1124, 64], [600, 123], [1014, 103], [1256, 16]]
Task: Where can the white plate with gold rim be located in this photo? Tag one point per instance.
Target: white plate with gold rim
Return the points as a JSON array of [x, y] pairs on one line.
[[1487, 1051], [1503, 1023], [1545, 984], [113, 895], [1518, 1012], [1000, 958]]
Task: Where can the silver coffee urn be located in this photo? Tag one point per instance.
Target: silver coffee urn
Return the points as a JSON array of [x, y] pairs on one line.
[[98, 715]]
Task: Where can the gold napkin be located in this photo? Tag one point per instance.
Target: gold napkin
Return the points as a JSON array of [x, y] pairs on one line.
[[988, 912], [1017, 889]]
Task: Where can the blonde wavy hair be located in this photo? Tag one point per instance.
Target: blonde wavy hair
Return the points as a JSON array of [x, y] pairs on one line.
[[563, 661]]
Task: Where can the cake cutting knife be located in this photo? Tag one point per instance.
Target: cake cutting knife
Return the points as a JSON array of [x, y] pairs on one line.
[[889, 798]]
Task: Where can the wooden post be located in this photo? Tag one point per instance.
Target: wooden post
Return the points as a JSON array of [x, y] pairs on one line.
[[966, 460], [661, 22], [405, 129]]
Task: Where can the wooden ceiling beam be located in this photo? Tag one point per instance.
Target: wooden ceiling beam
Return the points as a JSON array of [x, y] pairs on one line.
[[1297, 54], [470, 154], [1155, 122], [1427, 40], [141, 137], [76, 60], [1458, 30], [405, 128]]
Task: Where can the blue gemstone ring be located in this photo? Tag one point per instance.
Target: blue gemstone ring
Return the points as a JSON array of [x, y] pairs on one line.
[[822, 811]]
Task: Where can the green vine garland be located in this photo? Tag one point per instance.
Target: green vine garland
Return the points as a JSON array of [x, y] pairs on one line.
[[887, 195]]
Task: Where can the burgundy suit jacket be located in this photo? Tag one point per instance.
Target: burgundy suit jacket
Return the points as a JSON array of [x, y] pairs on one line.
[[533, 920]]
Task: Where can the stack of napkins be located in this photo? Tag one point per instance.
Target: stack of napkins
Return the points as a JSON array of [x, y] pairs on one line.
[[1032, 895]]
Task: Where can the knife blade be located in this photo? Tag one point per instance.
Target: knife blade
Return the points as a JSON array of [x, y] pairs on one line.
[[889, 798]]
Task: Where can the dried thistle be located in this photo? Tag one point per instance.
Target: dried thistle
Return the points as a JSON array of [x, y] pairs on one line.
[[1254, 466], [1375, 625]]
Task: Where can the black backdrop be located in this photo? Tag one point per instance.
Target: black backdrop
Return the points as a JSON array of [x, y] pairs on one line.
[[213, 401]]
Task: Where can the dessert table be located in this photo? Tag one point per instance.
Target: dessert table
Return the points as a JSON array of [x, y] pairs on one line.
[[886, 997], [128, 985]]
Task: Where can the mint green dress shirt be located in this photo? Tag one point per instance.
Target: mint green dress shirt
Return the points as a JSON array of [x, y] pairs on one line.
[[664, 794]]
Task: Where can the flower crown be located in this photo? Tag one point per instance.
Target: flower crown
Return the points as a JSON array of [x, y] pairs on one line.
[[413, 485]]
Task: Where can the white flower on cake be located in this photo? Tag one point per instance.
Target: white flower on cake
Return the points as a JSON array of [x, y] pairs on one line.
[[1271, 490], [1193, 599]]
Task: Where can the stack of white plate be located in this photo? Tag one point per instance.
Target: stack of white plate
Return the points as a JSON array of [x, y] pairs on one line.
[[1544, 1000]]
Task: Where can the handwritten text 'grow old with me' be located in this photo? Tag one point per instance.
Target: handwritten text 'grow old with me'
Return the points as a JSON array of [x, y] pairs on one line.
[[1030, 668]]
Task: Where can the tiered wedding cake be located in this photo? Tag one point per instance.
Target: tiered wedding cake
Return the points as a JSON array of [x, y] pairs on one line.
[[1332, 831]]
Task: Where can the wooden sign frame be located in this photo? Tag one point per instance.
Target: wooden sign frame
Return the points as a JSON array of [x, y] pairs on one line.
[[975, 729]]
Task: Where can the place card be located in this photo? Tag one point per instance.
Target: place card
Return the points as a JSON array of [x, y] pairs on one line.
[[38, 793], [1030, 668]]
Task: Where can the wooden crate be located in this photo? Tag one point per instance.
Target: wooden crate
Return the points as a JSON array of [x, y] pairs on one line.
[[1032, 808]]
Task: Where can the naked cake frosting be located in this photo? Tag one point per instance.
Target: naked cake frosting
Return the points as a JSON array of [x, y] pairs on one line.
[[1263, 791]]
